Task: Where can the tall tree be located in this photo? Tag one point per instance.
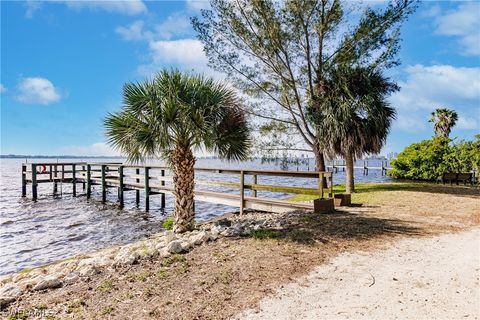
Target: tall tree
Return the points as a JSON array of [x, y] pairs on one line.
[[280, 52], [172, 115], [354, 117], [444, 120]]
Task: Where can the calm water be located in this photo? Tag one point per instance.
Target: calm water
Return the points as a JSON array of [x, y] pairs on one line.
[[37, 233]]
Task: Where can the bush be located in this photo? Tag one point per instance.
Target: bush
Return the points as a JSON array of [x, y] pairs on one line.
[[429, 159], [421, 161], [168, 223]]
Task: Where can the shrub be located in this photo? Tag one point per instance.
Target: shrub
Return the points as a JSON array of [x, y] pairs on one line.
[[168, 223], [429, 159], [421, 161]]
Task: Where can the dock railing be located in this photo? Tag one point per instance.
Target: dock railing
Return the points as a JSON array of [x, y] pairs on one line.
[[153, 180]]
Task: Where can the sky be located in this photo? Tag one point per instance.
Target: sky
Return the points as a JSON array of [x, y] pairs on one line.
[[63, 64]]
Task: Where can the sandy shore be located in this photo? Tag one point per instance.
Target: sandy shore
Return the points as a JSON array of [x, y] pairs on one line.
[[435, 278]]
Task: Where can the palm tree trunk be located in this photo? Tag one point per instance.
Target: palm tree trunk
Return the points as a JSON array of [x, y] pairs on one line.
[[183, 163], [349, 183], [319, 158]]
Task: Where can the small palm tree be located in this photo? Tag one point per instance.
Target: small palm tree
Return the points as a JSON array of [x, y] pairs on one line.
[[444, 120], [354, 118], [170, 116]]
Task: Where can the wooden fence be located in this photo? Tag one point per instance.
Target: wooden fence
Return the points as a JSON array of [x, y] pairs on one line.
[[157, 180]]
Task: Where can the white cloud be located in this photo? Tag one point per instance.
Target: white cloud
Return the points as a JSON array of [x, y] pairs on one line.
[[429, 87], [197, 5], [2, 88], [470, 123], [464, 23], [37, 90], [134, 32], [127, 7], [184, 54], [95, 149], [175, 24]]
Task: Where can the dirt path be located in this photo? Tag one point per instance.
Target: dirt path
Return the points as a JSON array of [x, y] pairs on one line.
[[434, 278]]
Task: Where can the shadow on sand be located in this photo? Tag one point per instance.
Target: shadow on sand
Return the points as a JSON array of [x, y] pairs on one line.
[[310, 228]]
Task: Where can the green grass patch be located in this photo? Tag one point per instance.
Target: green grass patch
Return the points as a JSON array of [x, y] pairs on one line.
[[367, 191], [167, 262], [263, 234], [106, 286], [167, 224], [107, 310]]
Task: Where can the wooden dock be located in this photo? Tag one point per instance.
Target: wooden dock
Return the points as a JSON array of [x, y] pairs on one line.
[[157, 180], [335, 165]]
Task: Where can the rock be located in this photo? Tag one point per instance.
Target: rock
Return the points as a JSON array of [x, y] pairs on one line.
[[72, 277], [8, 293], [28, 283], [175, 246], [88, 270], [200, 238], [49, 282], [125, 257], [224, 223], [96, 261], [216, 230]]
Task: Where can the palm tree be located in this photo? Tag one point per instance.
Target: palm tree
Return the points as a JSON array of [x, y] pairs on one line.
[[444, 120], [172, 115], [354, 117]]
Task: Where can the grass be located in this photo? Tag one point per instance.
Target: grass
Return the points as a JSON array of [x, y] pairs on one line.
[[366, 192], [167, 224], [106, 286]]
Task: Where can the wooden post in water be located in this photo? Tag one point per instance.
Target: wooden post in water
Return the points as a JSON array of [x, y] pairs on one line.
[[89, 184], [55, 184], [74, 180], [320, 184], [147, 189], [366, 168], [83, 173], [104, 184], [242, 191], [162, 196], [120, 188], [34, 181], [137, 192], [24, 180], [254, 182]]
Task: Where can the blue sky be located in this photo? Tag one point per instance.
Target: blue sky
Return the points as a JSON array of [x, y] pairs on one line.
[[63, 64]]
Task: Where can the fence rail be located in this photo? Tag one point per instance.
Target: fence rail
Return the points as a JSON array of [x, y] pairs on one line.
[[155, 180]]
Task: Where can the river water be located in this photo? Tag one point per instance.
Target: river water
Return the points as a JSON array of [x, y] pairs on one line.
[[37, 233]]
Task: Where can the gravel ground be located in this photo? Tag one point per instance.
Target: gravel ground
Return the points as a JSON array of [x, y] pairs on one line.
[[435, 278]]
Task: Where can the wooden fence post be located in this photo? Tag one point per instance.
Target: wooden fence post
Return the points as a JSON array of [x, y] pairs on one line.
[[162, 196], [34, 181], [137, 192], [120, 189], [83, 174], [89, 184], [24, 180], [104, 184], [320, 184], [55, 183], [74, 180], [242, 191], [254, 182], [147, 189], [330, 179]]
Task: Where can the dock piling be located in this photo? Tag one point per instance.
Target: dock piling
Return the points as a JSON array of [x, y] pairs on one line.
[[24, 180], [34, 181], [104, 185], [147, 189], [89, 183], [120, 188], [162, 196], [137, 192], [74, 180]]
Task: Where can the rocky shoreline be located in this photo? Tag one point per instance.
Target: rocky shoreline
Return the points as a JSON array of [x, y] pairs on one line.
[[158, 246]]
